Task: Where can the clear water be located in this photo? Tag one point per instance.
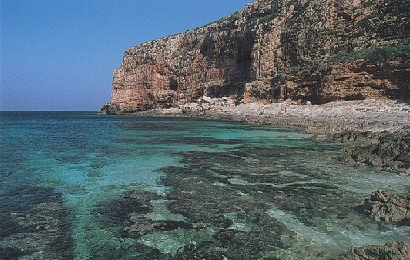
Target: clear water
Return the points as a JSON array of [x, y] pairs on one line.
[[84, 160]]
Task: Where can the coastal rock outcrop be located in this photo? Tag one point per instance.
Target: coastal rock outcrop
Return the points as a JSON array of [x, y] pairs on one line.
[[274, 50], [385, 206], [390, 151], [392, 250]]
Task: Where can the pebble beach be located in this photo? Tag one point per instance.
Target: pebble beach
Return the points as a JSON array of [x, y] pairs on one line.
[[323, 121]]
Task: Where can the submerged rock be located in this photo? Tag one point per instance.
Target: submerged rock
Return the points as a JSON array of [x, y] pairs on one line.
[[393, 250], [385, 206], [34, 224], [247, 202]]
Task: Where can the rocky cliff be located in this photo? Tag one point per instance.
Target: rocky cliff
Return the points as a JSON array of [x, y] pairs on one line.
[[273, 50]]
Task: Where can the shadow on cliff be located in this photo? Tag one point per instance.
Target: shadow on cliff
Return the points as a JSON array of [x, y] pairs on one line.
[[234, 53]]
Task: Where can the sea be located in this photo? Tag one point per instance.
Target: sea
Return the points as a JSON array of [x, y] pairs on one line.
[[81, 185]]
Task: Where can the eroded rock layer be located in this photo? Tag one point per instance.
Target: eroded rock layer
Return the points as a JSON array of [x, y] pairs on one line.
[[274, 50]]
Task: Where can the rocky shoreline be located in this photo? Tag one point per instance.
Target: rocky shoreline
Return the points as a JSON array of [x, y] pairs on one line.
[[323, 121], [384, 206], [385, 150], [375, 132], [242, 204], [284, 64]]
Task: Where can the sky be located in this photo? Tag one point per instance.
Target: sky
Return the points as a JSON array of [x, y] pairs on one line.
[[58, 55]]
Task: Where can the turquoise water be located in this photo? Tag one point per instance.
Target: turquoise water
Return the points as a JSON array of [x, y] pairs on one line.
[[62, 171]]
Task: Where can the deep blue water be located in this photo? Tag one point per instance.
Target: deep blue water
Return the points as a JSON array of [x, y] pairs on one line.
[[58, 168]]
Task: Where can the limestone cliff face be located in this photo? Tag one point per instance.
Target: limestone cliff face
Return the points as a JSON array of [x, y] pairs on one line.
[[273, 50]]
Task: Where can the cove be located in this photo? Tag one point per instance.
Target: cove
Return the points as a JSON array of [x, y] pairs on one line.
[[78, 185]]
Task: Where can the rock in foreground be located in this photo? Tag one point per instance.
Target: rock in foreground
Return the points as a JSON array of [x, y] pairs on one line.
[[390, 151], [392, 250], [385, 206]]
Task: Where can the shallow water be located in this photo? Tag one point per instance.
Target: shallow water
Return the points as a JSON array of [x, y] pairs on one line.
[[78, 185]]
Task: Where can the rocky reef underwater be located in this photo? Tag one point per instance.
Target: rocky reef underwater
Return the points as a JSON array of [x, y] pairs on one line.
[[252, 202], [129, 187]]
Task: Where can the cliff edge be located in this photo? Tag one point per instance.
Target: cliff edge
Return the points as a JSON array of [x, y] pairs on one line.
[[274, 50]]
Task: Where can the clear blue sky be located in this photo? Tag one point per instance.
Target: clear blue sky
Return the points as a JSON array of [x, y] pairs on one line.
[[60, 54]]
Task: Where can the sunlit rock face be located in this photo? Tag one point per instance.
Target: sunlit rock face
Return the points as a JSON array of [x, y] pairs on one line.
[[316, 51]]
